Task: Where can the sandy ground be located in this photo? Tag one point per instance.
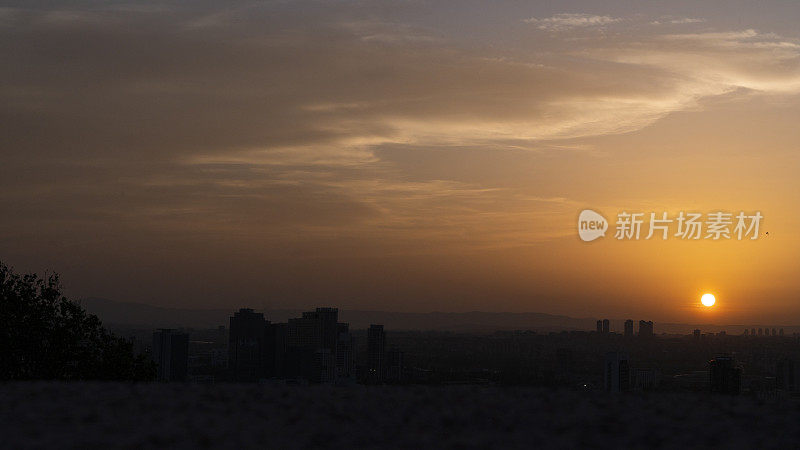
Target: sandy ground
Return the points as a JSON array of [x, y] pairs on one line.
[[119, 415]]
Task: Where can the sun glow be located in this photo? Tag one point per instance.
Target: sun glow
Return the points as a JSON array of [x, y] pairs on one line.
[[708, 300]]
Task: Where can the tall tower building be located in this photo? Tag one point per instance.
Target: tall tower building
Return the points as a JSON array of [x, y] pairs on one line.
[[606, 327], [315, 329], [345, 356], [629, 328], [376, 354], [617, 372], [171, 355], [788, 375], [394, 365], [250, 346], [646, 328], [319, 348], [279, 345], [725, 375]]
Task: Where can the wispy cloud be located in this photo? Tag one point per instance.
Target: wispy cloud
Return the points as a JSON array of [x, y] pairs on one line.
[[561, 22], [677, 21]]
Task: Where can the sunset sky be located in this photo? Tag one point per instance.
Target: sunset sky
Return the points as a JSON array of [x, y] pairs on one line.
[[402, 155]]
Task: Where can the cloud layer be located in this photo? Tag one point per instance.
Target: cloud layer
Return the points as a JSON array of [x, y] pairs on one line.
[[561, 22], [294, 130]]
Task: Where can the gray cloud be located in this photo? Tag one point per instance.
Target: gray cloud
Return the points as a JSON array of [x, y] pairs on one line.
[[564, 21]]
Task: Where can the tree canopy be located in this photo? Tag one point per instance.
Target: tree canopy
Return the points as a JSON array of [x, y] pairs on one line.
[[43, 335]]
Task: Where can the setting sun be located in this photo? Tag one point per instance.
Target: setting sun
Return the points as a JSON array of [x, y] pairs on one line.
[[708, 300]]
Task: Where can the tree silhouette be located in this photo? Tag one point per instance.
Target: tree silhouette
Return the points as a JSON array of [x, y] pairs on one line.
[[43, 335]]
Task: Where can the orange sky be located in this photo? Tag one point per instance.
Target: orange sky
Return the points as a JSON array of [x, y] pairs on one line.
[[408, 157]]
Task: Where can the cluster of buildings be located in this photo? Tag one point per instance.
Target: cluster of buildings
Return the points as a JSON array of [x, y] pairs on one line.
[[724, 375], [313, 348], [619, 376], [645, 327], [763, 332]]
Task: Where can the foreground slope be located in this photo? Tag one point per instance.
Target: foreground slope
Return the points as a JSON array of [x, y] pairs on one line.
[[119, 415]]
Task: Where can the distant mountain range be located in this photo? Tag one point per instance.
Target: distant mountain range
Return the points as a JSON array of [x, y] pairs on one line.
[[125, 314]]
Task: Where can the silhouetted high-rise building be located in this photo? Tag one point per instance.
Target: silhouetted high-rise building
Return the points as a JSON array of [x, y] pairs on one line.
[[752, 331], [780, 332], [279, 338], [315, 329], [606, 327], [171, 355], [745, 331], [617, 375], [599, 326], [328, 319], [725, 375], [565, 363], [628, 328], [250, 346], [345, 356], [760, 331], [376, 354], [646, 328], [394, 363], [323, 367], [696, 334], [319, 348], [644, 379], [788, 375], [774, 332]]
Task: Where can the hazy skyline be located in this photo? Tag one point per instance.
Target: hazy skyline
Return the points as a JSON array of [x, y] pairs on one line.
[[401, 156]]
